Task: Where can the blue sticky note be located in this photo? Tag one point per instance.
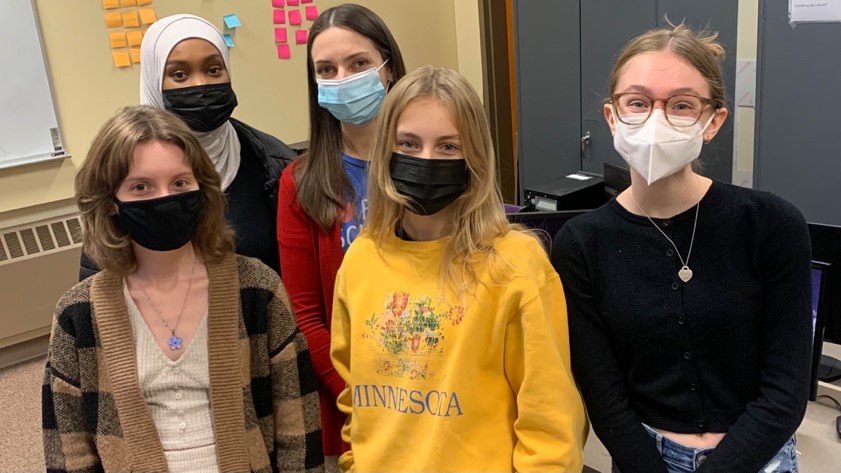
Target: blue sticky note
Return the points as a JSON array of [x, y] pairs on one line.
[[229, 41], [232, 20]]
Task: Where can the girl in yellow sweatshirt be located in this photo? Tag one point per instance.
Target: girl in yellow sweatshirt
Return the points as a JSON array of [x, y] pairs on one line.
[[449, 324]]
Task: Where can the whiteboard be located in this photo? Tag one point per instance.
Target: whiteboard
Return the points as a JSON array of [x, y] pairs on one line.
[[29, 129]]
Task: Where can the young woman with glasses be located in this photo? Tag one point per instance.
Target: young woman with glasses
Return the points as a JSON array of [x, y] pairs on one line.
[[689, 299]]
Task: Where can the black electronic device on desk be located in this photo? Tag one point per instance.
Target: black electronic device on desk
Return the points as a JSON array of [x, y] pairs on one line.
[[616, 179], [576, 191]]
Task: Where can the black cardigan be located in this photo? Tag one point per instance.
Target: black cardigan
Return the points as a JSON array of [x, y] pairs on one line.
[[728, 351], [273, 156]]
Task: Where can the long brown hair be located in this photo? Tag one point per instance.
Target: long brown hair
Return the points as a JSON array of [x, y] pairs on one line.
[[107, 165], [319, 176]]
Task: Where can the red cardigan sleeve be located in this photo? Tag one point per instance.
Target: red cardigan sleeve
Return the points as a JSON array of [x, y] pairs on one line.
[[297, 236]]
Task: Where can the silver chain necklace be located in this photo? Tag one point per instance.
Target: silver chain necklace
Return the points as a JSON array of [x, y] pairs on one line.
[[175, 341], [685, 274]]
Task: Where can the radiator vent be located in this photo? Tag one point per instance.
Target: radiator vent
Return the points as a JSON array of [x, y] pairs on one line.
[[39, 238]]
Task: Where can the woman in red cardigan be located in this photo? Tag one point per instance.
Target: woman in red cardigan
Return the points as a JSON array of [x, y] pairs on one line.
[[352, 60]]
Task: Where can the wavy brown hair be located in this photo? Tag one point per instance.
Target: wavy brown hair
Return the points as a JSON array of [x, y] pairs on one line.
[[478, 214], [107, 165], [319, 176]]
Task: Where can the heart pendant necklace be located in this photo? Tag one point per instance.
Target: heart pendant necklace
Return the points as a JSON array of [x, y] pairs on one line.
[[685, 274]]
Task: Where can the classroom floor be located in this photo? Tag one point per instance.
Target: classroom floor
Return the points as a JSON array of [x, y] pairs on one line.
[[20, 417]]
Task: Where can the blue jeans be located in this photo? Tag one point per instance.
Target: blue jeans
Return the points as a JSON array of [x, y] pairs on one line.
[[682, 459]]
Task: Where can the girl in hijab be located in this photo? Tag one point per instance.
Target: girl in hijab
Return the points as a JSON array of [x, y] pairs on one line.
[[185, 69]]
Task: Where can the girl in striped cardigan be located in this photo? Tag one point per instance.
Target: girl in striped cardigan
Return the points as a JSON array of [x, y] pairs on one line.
[[179, 355]]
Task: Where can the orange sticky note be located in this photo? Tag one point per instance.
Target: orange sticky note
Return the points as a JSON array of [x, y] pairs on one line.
[[294, 17], [141, 3], [118, 39], [127, 3], [135, 37], [311, 12], [109, 4], [147, 16], [135, 55], [283, 51], [130, 20], [113, 20], [121, 58]]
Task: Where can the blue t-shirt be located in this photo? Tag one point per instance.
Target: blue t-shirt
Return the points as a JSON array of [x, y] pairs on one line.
[[356, 211]]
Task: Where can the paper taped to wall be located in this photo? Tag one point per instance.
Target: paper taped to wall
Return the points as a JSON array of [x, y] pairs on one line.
[[813, 11]]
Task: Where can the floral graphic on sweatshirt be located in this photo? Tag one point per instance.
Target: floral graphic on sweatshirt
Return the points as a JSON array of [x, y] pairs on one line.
[[411, 328]]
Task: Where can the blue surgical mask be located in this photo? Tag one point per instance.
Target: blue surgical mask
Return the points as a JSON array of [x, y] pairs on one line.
[[355, 99]]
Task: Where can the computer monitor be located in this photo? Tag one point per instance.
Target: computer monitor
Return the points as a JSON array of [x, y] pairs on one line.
[[826, 246], [547, 224], [820, 299]]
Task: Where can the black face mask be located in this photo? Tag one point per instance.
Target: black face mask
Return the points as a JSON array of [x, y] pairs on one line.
[[430, 184], [162, 224], [203, 107]]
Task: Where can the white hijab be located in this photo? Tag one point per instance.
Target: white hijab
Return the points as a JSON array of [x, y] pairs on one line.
[[221, 144]]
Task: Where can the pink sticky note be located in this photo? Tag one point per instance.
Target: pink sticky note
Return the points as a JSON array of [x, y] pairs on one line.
[[311, 12], [280, 35], [283, 51], [306, 1], [294, 17], [292, 3], [301, 36], [279, 17], [277, 3]]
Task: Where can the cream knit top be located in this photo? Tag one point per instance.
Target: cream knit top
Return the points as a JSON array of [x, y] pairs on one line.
[[177, 394]]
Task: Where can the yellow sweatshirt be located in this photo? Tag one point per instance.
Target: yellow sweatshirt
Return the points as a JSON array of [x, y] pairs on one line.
[[441, 383]]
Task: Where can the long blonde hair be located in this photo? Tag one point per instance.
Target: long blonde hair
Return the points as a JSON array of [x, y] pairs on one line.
[[478, 214]]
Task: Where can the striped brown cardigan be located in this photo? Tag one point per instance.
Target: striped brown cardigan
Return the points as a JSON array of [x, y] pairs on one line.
[[263, 395]]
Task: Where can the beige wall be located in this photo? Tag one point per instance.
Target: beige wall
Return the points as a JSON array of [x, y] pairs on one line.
[[469, 42], [744, 117], [272, 93]]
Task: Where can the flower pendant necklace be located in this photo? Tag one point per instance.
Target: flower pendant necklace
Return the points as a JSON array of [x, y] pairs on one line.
[[174, 341], [685, 274]]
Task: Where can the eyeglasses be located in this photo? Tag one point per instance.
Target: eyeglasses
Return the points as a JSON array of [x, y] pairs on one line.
[[681, 111]]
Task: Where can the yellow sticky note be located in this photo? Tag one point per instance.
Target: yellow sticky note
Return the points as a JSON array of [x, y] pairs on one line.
[[109, 4], [141, 3], [147, 16], [113, 20], [135, 55], [130, 20], [127, 3], [121, 58], [118, 39], [135, 37]]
